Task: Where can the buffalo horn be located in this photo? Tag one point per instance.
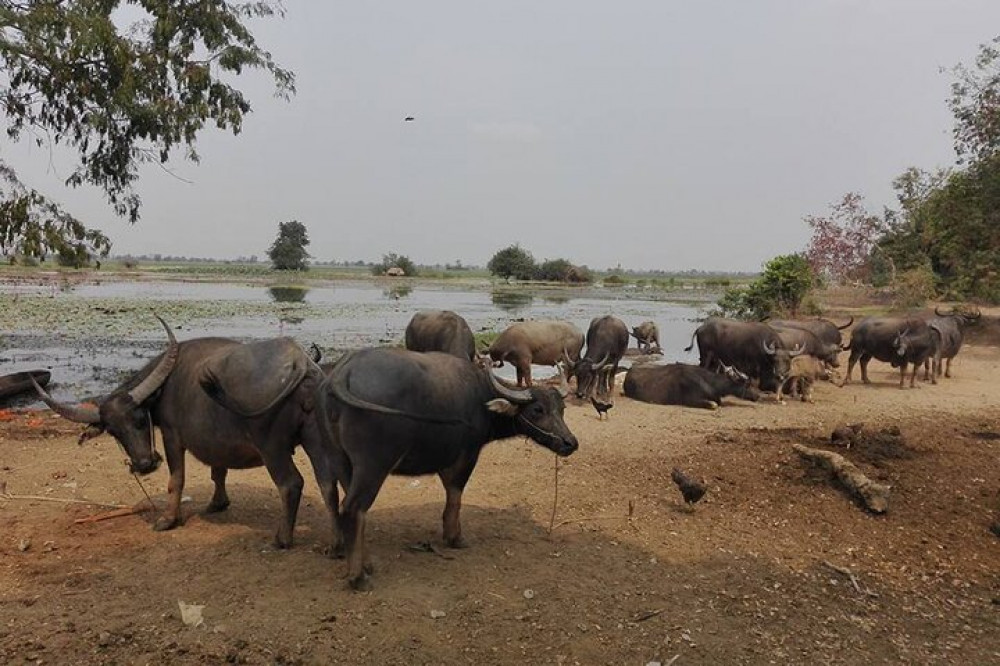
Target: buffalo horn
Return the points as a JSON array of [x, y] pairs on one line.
[[517, 396], [569, 361], [771, 349], [160, 373], [600, 364], [850, 321], [940, 314], [77, 414], [797, 350]]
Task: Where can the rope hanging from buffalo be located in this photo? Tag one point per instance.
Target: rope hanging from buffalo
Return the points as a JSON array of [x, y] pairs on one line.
[[152, 447], [555, 494]]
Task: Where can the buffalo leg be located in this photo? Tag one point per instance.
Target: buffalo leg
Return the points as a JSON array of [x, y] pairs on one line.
[[364, 487], [289, 482], [947, 372], [325, 463], [220, 499], [175, 487], [902, 373], [454, 479], [865, 359]]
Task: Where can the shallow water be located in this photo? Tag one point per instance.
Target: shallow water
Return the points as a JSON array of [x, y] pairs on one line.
[[113, 332]]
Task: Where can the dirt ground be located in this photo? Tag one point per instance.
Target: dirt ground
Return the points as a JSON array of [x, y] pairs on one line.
[[628, 575]]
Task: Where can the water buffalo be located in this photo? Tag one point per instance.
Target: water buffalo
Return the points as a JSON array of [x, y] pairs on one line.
[[804, 372], [827, 331], [607, 340], [753, 348], [949, 331], [392, 411], [232, 405], [440, 330], [688, 385], [647, 337], [808, 342], [538, 342], [894, 340]]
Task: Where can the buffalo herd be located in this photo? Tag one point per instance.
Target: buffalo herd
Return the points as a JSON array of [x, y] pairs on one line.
[[430, 408]]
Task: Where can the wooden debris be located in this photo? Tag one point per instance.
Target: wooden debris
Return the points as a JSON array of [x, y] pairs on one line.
[[874, 495], [141, 507]]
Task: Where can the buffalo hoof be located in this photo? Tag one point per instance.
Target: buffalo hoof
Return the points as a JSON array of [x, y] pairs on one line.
[[164, 523], [216, 507], [457, 542], [335, 552], [362, 583], [281, 543]]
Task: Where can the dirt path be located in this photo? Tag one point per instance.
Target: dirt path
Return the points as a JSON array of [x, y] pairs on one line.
[[741, 579]]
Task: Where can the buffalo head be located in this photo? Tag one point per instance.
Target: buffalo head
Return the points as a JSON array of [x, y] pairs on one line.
[[537, 414], [587, 374], [781, 357], [123, 413]]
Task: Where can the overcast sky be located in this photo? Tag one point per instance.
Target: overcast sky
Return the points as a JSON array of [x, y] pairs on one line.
[[656, 134]]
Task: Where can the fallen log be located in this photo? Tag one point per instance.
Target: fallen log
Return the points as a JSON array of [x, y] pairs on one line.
[[874, 495]]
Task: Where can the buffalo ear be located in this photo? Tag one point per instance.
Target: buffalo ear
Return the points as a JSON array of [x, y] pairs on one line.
[[503, 406]]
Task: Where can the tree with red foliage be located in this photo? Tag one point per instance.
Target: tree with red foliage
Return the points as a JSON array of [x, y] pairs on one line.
[[841, 246]]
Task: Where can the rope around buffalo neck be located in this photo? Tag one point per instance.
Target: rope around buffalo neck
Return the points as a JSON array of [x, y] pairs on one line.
[[152, 447], [537, 429]]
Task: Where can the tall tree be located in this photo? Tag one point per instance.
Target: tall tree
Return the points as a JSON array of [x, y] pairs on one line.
[[975, 103], [841, 245], [288, 251], [512, 261], [120, 95]]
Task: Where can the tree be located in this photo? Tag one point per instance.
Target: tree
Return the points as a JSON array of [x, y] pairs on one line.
[[119, 95], [975, 103], [781, 287], [554, 270], [512, 261], [288, 251], [841, 245], [393, 260]]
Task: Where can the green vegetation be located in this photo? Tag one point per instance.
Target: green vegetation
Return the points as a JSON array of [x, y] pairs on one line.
[[288, 252], [782, 286], [119, 96], [512, 262], [393, 260]]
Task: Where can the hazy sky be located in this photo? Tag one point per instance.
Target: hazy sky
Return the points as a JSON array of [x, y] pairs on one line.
[[656, 134]]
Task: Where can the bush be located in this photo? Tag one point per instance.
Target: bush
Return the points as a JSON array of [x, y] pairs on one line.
[[914, 287], [781, 288], [554, 270], [512, 261], [393, 260], [614, 280]]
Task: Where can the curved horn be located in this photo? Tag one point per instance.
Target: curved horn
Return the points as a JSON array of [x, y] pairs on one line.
[[603, 360], [160, 373], [797, 350], [566, 356], [77, 414], [517, 396], [771, 349], [840, 328], [939, 314]]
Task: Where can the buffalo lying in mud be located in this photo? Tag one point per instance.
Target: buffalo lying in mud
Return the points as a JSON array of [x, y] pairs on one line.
[[895, 340], [538, 342], [753, 348], [232, 405], [824, 329], [607, 340], [392, 411], [688, 385], [949, 329], [647, 337], [442, 331]]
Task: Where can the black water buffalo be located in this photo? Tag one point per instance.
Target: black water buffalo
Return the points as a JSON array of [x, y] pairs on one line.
[[753, 348], [392, 411], [949, 329], [647, 336], [607, 340], [688, 385], [442, 331], [232, 405], [538, 342], [827, 331], [808, 342], [894, 340]]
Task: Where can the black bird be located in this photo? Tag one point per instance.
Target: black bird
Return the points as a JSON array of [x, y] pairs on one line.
[[407, 119], [601, 406], [692, 489]]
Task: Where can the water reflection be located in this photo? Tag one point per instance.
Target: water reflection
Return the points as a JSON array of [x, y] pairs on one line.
[[558, 299], [397, 291], [512, 301], [288, 294]]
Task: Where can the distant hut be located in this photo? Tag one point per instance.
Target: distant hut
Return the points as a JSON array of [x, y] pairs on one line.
[[395, 271]]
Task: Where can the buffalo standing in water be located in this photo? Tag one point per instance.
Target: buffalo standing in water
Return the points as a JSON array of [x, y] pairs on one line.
[[393, 411]]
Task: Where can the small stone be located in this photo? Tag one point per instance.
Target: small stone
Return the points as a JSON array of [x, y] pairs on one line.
[[437, 614], [24, 544], [103, 639], [529, 593]]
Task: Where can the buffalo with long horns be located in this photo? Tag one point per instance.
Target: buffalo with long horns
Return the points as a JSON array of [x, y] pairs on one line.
[[232, 405]]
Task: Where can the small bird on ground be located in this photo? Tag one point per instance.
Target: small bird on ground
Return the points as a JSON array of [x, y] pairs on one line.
[[692, 489], [602, 406]]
